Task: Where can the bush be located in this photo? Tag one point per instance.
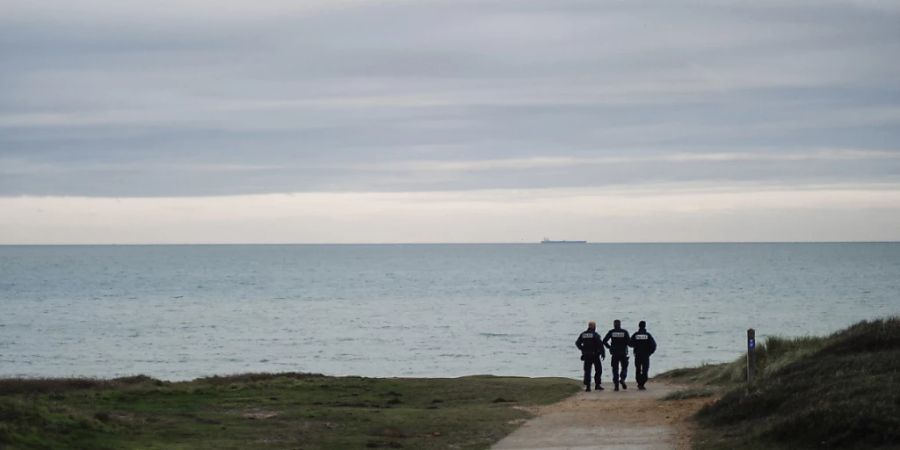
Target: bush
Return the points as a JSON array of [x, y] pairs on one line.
[[839, 391]]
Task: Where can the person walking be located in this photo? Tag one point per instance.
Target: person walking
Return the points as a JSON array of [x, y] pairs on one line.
[[616, 340], [644, 345], [592, 353]]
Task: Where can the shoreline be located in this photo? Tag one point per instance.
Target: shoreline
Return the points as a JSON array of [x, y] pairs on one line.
[[840, 389]]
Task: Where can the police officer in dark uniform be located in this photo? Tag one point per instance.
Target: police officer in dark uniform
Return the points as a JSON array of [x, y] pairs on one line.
[[616, 340], [644, 345], [592, 353]]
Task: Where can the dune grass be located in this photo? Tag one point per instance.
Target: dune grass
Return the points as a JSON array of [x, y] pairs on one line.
[[268, 411], [838, 391], [691, 392]]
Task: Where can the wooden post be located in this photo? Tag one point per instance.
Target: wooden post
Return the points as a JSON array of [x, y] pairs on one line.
[[751, 345]]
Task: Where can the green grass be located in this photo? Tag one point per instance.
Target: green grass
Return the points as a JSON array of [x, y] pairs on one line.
[[838, 391], [268, 411], [692, 392]]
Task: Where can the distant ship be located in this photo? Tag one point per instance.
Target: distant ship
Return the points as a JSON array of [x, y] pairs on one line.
[[548, 241]]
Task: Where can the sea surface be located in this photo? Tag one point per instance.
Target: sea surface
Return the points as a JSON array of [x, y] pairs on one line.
[[180, 312]]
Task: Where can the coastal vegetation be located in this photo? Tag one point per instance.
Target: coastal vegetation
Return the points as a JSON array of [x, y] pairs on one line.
[[838, 391], [269, 411]]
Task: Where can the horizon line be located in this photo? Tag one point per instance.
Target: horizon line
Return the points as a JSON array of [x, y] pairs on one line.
[[174, 244]]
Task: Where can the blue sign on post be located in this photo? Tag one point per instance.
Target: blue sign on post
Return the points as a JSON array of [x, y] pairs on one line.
[[751, 344]]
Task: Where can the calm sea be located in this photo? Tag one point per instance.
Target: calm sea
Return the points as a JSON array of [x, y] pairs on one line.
[[179, 312]]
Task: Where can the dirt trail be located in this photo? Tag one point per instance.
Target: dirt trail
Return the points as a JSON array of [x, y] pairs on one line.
[[629, 419]]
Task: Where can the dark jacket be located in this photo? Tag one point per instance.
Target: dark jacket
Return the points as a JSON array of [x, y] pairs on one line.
[[616, 340], [590, 344], [643, 343]]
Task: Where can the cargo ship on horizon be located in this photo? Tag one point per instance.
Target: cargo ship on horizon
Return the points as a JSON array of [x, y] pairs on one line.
[[548, 241]]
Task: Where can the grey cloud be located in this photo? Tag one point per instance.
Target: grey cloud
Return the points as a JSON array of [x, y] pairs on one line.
[[139, 102]]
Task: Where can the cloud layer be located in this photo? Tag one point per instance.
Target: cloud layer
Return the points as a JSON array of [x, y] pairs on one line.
[[453, 121], [659, 213], [104, 98]]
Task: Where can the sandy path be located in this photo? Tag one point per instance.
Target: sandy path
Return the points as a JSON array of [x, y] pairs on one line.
[[630, 419]]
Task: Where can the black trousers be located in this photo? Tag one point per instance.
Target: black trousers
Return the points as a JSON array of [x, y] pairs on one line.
[[619, 361], [592, 361], [641, 368]]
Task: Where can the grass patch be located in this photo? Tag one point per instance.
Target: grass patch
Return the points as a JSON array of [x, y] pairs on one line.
[[837, 391], [688, 393], [268, 411]]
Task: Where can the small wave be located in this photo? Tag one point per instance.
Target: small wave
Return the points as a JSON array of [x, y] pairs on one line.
[[498, 335]]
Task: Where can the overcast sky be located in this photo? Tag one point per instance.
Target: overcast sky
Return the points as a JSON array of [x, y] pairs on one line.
[[448, 121]]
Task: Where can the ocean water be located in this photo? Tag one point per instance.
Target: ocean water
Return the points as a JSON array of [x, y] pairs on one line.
[[179, 312]]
